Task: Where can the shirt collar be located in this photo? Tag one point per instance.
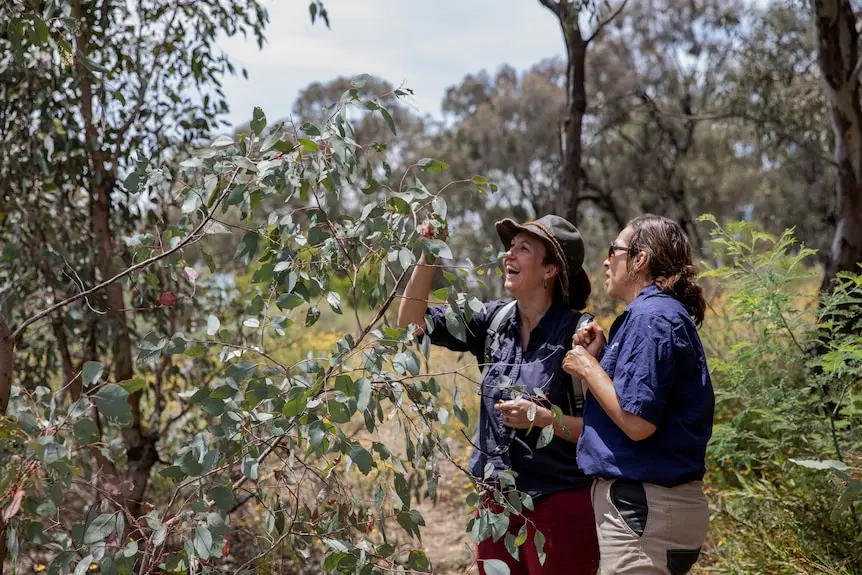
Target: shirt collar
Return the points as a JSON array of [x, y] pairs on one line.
[[647, 292]]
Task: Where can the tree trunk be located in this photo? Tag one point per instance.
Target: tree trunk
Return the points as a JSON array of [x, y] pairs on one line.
[[838, 58], [7, 365], [140, 446], [71, 379], [571, 178]]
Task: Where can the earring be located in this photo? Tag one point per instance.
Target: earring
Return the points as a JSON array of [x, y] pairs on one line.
[[545, 283]]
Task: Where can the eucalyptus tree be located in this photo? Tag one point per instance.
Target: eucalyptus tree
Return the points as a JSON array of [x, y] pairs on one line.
[[89, 90], [308, 428], [840, 65], [581, 22]]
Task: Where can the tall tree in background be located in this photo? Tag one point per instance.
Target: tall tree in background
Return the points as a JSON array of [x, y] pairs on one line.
[[840, 66], [577, 40], [655, 69], [773, 88], [505, 125]]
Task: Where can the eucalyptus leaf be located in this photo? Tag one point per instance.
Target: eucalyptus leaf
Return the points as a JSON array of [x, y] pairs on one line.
[[113, 402], [258, 121], [101, 527], [91, 373], [495, 567]]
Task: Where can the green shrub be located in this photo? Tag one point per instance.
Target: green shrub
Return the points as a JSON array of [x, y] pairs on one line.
[[785, 365]]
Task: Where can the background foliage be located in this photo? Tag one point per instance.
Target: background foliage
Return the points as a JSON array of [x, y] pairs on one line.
[[237, 400]]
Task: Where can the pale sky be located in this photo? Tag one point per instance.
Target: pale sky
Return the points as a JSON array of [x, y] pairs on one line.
[[428, 46]]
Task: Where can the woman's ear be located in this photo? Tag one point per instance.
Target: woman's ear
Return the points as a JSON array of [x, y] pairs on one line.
[[641, 261], [551, 271]]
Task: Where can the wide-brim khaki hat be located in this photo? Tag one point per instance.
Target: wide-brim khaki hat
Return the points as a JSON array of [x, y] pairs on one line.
[[560, 236]]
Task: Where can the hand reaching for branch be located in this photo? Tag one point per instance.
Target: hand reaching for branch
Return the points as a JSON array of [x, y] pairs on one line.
[[429, 231]]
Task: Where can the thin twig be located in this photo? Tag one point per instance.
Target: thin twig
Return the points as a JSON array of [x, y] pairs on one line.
[[146, 263], [142, 90], [607, 20], [368, 328]]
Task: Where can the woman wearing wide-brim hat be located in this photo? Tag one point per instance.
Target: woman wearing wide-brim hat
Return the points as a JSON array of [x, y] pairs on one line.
[[544, 274]]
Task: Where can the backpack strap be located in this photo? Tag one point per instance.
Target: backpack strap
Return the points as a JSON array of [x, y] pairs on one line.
[[492, 336], [577, 386]]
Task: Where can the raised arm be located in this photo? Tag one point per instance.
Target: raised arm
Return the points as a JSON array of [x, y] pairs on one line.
[[414, 302]]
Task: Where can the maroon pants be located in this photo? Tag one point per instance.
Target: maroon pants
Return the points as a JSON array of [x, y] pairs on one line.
[[567, 522]]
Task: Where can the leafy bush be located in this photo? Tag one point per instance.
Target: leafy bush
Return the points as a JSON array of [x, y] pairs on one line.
[[297, 437], [786, 371]]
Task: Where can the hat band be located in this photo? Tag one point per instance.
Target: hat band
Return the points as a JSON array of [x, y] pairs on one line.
[[560, 252]]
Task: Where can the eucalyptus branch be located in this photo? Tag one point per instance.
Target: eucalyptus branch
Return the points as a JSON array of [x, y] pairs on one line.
[[380, 313], [552, 5], [611, 17], [142, 265], [246, 348]]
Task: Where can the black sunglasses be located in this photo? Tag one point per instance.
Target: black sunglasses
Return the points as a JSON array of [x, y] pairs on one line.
[[612, 251]]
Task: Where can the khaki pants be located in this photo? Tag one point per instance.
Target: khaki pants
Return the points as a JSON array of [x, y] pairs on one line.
[[646, 529]]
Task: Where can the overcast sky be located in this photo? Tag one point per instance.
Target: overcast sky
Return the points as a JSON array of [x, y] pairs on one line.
[[428, 46]]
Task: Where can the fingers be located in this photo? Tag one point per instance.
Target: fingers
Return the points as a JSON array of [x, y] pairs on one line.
[[579, 337], [586, 334], [581, 354], [576, 360], [509, 410], [512, 404], [584, 360], [512, 412], [429, 231]]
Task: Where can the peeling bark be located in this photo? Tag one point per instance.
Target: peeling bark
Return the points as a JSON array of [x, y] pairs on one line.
[[839, 62]]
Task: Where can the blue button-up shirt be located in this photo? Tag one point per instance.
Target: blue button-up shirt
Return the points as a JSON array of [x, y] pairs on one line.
[[656, 361], [541, 471]]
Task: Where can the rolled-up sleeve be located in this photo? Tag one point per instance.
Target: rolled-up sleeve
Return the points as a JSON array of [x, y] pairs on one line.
[[477, 327], [644, 367]]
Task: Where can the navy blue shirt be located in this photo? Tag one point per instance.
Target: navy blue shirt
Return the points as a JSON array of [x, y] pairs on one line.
[[656, 361], [553, 467]]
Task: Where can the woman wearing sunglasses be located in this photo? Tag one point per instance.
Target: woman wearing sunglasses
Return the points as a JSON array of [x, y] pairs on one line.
[[649, 405], [545, 276]]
